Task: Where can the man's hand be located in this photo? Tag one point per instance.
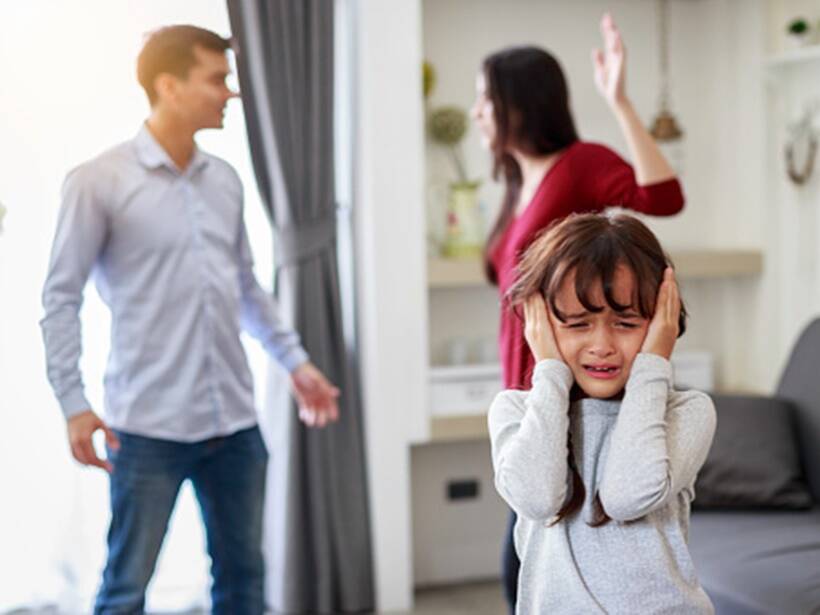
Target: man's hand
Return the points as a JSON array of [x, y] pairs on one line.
[[610, 63], [315, 395], [663, 328], [538, 329], [81, 428]]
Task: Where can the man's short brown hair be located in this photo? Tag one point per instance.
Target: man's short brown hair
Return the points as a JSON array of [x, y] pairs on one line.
[[171, 50]]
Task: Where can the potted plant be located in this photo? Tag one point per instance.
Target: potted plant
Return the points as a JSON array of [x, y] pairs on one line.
[[799, 32], [464, 232], [447, 126]]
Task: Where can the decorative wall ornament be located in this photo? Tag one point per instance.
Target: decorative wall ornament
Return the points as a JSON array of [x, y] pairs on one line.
[[803, 138]]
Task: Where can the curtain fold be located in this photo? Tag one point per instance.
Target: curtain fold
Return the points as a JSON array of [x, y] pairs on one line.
[[317, 541]]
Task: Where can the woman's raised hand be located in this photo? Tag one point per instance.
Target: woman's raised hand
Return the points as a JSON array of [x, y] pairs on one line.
[[538, 329], [610, 64], [664, 326]]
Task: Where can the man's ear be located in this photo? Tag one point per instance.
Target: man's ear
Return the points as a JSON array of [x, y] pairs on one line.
[[165, 86]]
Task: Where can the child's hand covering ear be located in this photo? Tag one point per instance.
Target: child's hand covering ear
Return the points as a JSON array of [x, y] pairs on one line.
[[663, 329], [538, 329]]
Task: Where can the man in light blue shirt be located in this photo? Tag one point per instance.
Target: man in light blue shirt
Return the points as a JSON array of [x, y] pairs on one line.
[[159, 225]]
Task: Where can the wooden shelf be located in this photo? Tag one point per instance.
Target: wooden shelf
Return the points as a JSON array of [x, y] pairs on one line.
[[698, 264], [717, 263], [458, 428]]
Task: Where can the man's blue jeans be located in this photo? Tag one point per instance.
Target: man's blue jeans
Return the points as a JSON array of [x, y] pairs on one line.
[[228, 475]]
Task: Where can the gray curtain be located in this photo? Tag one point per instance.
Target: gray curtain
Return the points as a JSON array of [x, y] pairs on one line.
[[317, 523]]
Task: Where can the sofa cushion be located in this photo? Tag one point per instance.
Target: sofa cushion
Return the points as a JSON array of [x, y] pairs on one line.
[[758, 562], [754, 461]]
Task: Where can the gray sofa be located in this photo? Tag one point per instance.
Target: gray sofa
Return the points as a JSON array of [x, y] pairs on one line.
[[755, 528]]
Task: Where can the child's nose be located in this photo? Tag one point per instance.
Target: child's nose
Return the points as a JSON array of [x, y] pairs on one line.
[[601, 343]]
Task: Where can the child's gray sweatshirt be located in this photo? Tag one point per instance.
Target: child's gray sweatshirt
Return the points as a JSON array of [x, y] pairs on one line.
[[641, 454]]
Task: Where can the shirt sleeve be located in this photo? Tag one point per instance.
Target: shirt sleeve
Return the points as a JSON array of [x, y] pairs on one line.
[[528, 433], [259, 312], [81, 233], [659, 442], [610, 181]]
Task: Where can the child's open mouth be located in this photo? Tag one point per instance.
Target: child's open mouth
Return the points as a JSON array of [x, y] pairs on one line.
[[603, 372]]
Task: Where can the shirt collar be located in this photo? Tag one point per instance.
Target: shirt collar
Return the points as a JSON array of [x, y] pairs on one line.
[[152, 155]]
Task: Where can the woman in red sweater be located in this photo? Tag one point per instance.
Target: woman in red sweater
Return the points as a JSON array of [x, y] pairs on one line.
[[522, 111]]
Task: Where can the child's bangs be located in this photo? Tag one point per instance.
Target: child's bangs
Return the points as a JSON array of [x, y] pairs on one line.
[[596, 268]]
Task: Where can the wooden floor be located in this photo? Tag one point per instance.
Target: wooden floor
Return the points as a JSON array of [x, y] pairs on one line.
[[473, 599]]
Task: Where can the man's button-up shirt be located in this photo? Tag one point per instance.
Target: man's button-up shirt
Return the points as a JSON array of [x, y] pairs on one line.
[[170, 257]]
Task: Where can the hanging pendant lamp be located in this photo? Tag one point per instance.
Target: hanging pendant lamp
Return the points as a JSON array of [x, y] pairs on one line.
[[665, 127]]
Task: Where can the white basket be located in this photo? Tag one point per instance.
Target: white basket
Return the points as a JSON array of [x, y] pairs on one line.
[[464, 389]]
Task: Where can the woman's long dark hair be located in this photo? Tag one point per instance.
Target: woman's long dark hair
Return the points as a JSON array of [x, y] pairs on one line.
[[592, 247], [531, 111]]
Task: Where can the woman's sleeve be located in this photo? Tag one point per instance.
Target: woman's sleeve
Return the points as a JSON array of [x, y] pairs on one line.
[[528, 433], [610, 181], [659, 442]]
